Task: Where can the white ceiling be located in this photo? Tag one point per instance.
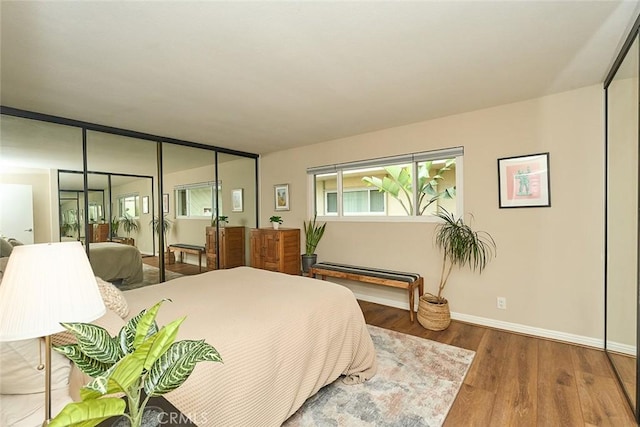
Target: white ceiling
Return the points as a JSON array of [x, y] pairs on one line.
[[265, 76]]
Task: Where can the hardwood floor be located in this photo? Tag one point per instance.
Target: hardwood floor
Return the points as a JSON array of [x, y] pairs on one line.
[[178, 267], [516, 380]]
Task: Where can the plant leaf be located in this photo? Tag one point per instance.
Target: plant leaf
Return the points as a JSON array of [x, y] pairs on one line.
[[86, 364], [146, 324], [88, 413], [162, 341], [128, 333], [95, 341], [173, 368], [119, 378]]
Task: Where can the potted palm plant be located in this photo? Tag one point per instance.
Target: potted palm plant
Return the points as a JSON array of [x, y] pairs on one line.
[[461, 246], [115, 225], [313, 232], [141, 361], [163, 225], [129, 224]]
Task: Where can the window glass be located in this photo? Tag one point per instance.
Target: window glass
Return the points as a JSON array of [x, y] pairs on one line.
[[413, 186], [436, 186], [393, 183], [128, 205], [196, 201], [326, 200]]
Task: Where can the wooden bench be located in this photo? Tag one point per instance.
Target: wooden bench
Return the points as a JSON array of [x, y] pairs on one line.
[[189, 249], [396, 279]]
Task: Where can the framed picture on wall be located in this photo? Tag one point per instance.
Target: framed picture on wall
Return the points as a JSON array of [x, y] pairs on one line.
[[281, 195], [523, 181], [165, 203], [236, 200], [145, 205]]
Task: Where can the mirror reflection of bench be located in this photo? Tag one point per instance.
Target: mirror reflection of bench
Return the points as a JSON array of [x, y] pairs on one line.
[[376, 276], [189, 249]]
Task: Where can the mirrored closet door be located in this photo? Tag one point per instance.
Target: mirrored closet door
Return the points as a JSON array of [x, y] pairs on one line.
[[622, 238], [111, 188]]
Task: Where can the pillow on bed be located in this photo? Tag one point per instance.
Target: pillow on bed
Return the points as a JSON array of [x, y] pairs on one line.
[[5, 248], [3, 266], [14, 242], [18, 367], [113, 298]]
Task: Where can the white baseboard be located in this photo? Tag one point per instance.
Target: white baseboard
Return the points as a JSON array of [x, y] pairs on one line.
[[621, 348], [499, 324]]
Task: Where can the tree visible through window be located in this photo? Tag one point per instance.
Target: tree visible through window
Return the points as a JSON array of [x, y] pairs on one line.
[[413, 185]]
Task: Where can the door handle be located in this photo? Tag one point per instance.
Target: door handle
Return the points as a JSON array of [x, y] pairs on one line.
[[29, 230]]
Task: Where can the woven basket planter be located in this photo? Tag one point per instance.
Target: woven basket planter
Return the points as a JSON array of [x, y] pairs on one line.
[[432, 314]]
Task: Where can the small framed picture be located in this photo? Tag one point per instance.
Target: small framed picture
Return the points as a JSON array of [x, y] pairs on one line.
[[165, 203], [145, 204], [523, 181], [236, 200], [281, 194]]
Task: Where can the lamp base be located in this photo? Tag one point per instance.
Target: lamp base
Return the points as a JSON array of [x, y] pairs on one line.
[[47, 381]]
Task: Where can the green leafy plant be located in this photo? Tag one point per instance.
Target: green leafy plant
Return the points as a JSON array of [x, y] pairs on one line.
[[313, 233], [275, 218], [65, 228], [115, 225], [129, 224], [140, 358], [221, 218], [161, 225], [461, 246], [398, 183]]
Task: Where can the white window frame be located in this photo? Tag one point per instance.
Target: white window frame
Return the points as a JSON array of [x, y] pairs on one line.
[[413, 159]]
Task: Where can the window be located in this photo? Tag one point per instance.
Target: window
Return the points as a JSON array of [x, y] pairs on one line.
[[356, 202], [196, 200], [128, 205], [410, 187]]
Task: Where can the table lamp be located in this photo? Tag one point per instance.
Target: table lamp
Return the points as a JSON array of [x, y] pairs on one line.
[[43, 285]]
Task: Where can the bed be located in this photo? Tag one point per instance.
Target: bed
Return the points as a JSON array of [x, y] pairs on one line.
[[281, 338], [115, 262]]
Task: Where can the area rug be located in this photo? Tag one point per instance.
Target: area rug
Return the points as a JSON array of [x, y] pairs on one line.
[[151, 276], [416, 384]]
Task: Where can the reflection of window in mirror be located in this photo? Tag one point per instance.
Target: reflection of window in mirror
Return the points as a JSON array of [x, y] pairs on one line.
[[196, 200], [128, 205], [95, 213]]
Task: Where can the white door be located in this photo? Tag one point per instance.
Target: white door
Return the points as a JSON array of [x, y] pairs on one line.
[[16, 212]]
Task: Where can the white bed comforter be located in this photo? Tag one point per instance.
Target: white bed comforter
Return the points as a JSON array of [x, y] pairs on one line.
[[281, 338]]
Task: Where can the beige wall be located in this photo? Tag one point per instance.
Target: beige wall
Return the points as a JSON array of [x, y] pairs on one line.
[[145, 235], [549, 265], [233, 174]]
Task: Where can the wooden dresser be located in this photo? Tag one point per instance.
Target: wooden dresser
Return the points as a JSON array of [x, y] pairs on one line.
[[276, 250], [231, 247], [99, 233]]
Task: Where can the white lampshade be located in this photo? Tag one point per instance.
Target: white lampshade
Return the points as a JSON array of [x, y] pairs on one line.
[[46, 284]]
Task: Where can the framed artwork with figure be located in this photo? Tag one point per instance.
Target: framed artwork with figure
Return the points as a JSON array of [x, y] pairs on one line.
[[523, 181]]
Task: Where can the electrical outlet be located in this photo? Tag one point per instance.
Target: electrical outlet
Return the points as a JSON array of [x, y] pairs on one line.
[[502, 303]]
